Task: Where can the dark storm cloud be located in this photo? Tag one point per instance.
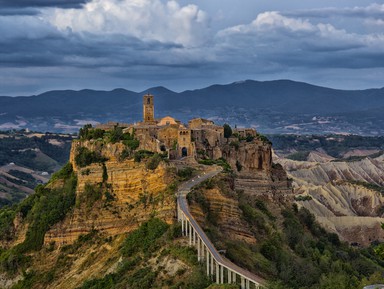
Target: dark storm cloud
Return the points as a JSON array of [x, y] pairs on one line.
[[372, 11], [86, 50], [41, 3], [18, 11], [108, 47]]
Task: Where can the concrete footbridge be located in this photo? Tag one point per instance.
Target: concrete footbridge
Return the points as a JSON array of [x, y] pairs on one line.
[[217, 267]]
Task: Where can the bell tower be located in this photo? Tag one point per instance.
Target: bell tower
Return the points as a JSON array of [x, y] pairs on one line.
[[148, 108]]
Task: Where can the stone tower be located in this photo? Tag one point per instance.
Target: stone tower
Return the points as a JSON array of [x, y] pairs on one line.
[[148, 108], [184, 143]]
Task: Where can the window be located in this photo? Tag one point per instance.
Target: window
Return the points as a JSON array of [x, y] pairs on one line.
[[148, 100]]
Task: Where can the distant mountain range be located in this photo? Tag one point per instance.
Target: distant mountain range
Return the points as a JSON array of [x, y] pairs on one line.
[[280, 106]]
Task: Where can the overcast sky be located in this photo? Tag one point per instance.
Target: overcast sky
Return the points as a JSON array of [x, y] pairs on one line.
[[136, 44]]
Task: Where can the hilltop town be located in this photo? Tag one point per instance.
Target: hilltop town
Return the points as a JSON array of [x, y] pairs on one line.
[[199, 139]]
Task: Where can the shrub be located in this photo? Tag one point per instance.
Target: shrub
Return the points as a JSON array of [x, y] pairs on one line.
[[133, 144], [303, 198], [207, 162], [88, 133], [144, 238], [6, 224], [185, 173], [141, 154], [91, 194], [249, 138], [116, 134], [263, 138], [64, 173], [153, 162], [85, 157], [126, 153]]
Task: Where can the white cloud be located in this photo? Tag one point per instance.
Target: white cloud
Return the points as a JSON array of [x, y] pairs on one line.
[[375, 22], [148, 20], [273, 20], [268, 21], [272, 32]]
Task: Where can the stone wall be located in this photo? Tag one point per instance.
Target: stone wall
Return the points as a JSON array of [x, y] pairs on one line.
[[168, 135], [198, 122]]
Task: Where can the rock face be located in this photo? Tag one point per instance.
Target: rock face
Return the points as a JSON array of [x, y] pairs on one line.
[[219, 203], [343, 196], [224, 212], [134, 194], [251, 156]]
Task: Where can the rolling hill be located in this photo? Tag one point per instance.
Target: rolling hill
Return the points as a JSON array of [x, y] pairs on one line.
[[274, 106]]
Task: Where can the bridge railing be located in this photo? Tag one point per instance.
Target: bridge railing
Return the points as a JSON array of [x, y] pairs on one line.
[[217, 267]]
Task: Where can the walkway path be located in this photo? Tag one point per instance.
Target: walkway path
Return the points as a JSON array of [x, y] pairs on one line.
[[216, 265]]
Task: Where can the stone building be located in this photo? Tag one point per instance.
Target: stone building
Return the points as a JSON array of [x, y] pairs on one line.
[[185, 147], [202, 138]]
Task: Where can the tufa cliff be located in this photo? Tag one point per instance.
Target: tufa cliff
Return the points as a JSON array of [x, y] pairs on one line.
[[128, 193]]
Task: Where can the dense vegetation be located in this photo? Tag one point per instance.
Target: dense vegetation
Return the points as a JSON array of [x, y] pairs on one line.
[[86, 157], [334, 145], [112, 136], [47, 206], [292, 249]]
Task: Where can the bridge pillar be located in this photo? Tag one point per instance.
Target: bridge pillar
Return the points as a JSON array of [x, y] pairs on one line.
[[194, 237], [182, 227], [229, 276], [234, 277], [207, 263], [221, 275], [242, 286], [190, 233], [212, 264], [217, 274], [198, 250], [247, 283], [202, 250], [186, 227]]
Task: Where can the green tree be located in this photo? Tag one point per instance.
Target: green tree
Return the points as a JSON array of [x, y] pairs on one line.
[[227, 131], [84, 131], [105, 173], [116, 134]]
